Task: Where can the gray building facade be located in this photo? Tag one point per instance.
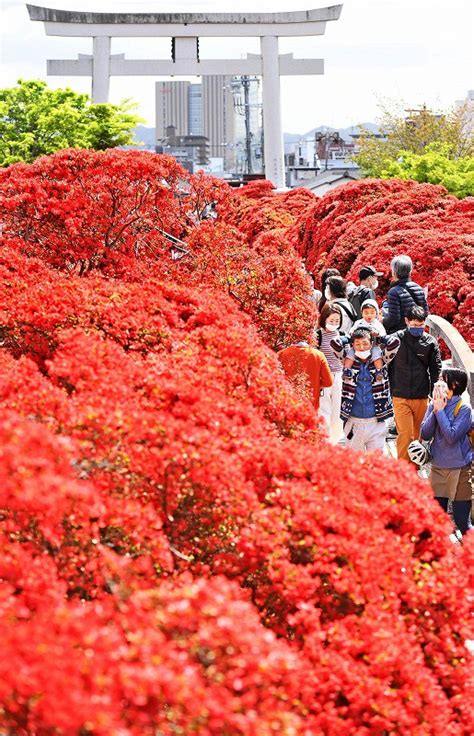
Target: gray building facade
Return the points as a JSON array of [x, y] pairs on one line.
[[172, 108], [203, 109]]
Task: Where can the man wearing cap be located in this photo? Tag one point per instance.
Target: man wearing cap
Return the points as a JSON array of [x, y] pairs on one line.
[[368, 283]]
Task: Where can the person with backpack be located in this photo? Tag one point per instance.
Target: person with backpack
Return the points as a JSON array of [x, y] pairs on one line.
[[413, 373], [326, 274], [402, 295], [335, 293], [448, 424], [329, 328], [368, 283]]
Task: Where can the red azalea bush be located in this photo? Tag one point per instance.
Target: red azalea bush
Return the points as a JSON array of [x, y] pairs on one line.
[[317, 229], [256, 209], [184, 656], [442, 261], [265, 279], [181, 552], [371, 221], [86, 210]]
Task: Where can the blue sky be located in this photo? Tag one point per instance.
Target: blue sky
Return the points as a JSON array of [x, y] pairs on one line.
[[414, 51]]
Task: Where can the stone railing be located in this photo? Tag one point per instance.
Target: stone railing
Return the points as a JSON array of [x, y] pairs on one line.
[[461, 354]]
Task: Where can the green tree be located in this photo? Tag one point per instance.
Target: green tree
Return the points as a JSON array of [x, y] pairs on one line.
[[436, 166], [412, 131], [36, 120]]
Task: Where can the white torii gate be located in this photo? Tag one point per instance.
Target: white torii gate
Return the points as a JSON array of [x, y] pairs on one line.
[[185, 29]]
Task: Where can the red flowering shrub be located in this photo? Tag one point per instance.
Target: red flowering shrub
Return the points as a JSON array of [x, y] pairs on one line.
[[317, 557], [175, 658], [169, 508], [84, 210], [318, 228], [266, 279], [256, 189], [259, 210], [369, 222]]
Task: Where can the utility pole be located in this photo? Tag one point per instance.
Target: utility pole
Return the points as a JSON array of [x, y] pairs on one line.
[[328, 138], [248, 132], [241, 88]]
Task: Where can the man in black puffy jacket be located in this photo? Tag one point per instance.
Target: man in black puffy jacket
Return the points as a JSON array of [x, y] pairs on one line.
[[413, 373], [402, 295]]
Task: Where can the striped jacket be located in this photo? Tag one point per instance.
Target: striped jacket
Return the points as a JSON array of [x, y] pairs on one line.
[[380, 390]]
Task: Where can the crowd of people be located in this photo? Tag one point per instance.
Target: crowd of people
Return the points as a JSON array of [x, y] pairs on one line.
[[367, 364]]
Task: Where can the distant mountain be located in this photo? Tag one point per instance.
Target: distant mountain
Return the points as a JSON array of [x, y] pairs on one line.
[[144, 135], [344, 132], [292, 137]]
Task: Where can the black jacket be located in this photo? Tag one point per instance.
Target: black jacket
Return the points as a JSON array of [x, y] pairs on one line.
[[401, 296], [416, 366]]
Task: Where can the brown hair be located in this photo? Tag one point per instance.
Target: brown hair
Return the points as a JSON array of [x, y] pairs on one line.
[[326, 311], [324, 277], [337, 286]]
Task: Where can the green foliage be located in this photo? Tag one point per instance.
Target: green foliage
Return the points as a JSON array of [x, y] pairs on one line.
[[36, 120], [435, 166], [413, 132]]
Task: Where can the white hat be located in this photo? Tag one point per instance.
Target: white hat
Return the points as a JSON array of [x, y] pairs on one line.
[[369, 303]]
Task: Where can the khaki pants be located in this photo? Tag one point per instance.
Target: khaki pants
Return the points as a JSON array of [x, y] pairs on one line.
[[409, 414]]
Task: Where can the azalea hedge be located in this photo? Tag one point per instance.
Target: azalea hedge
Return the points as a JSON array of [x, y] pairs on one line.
[[182, 551], [370, 221]]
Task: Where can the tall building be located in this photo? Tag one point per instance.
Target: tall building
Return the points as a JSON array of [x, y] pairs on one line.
[[172, 108], [204, 109], [195, 121], [218, 117]]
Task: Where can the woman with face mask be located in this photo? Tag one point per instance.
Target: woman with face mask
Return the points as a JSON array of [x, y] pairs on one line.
[[448, 423], [330, 402], [336, 293], [324, 278]]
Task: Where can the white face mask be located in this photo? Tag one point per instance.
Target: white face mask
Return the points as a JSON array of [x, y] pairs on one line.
[[363, 354], [375, 284], [327, 293], [331, 328]]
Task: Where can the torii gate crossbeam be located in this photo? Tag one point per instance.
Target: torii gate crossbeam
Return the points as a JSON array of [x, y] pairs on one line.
[[186, 29]]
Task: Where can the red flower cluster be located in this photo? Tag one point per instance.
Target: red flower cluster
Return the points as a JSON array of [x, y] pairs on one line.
[[181, 550], [256, 208], [86, 210], [370, 221]]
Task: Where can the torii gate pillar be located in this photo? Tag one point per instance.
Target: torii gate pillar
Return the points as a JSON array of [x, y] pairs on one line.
[[100, 69], [272, 128], [185, 29]]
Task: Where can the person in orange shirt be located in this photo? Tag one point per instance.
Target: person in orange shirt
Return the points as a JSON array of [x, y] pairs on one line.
[[308, 369]]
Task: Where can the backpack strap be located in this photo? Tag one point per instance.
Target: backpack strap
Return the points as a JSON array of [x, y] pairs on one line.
[[412, 294], [457, 408], [350, 312]]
